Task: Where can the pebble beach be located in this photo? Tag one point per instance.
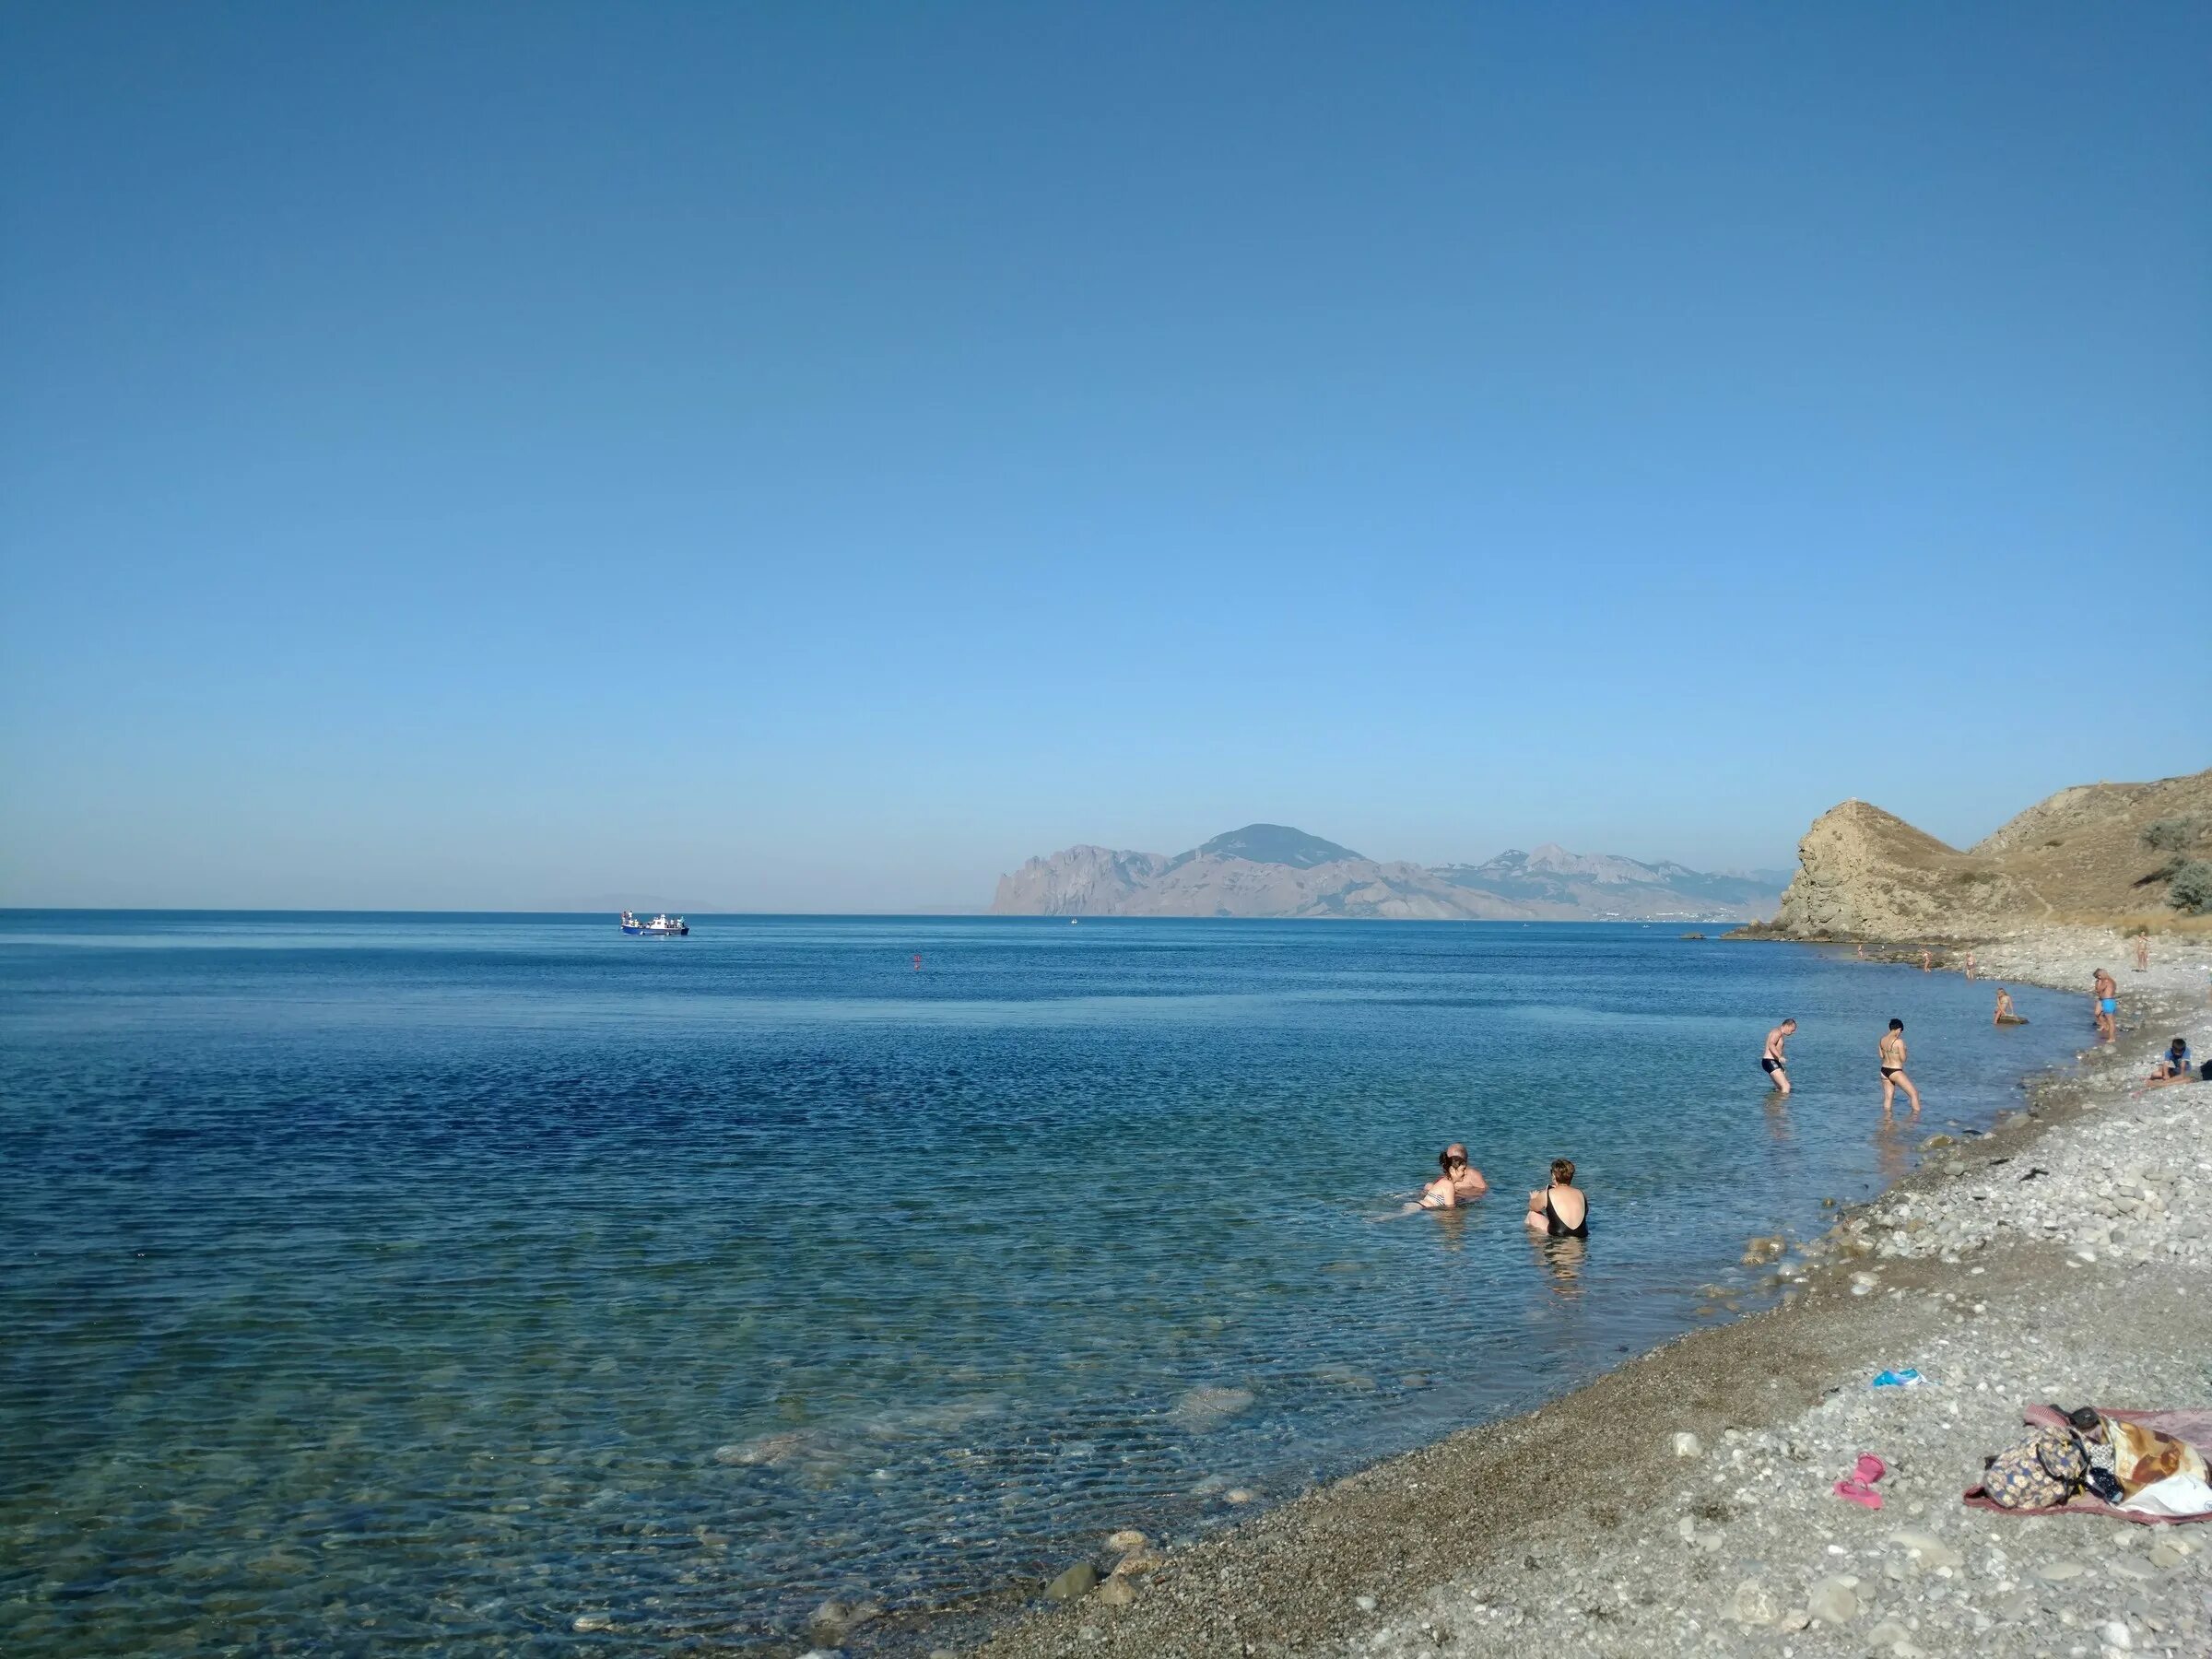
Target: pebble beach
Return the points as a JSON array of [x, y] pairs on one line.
[[1683, 1504]]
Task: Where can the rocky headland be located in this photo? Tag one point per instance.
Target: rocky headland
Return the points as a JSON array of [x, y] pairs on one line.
[[1272, 870], [2100, 854]]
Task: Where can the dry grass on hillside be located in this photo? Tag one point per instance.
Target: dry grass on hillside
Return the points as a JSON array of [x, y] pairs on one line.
[[2080, 856]]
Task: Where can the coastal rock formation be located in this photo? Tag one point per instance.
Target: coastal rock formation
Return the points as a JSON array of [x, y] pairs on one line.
[[1080, 881], [1272, 870], [2093, 854]]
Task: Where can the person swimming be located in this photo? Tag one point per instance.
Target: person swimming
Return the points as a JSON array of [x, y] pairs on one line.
[[2004, 1016], [1559, 1210], [1444, 1192], [1466, 1180]]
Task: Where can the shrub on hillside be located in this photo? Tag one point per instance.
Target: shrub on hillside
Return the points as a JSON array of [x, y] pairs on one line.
[[2192, 889], [2174, 834]]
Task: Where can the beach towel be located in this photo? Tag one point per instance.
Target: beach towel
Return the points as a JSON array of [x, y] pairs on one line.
[[2192, 1430]]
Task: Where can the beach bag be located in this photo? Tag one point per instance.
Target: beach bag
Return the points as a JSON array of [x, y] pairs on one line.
[[2041, 1472]]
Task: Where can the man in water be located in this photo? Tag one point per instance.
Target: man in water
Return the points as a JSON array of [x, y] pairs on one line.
[[2107, 992], [1774, 1062], [1466, 1180]]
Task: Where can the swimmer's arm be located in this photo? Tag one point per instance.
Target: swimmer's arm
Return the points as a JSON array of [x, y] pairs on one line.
[[1475, 1175]]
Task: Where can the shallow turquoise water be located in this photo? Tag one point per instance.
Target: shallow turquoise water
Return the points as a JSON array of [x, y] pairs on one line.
[[384, 1281]]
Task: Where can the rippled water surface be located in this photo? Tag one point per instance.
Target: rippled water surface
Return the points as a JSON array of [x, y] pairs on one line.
[[374, 1282]]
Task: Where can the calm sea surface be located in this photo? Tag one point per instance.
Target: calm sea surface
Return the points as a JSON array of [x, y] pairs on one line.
[[372, 1282]]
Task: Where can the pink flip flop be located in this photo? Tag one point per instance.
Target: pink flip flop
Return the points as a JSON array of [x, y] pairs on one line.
[[1871, 1469], [1858, 1492]]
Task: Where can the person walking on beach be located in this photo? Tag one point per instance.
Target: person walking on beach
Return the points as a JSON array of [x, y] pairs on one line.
[[1969, 964], [2106, 990], [2142, 950], [1893, 1069], [1559, 1210], [1774, 1062]]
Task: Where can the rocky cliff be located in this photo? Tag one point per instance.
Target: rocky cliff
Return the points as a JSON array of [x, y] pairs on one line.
[[1272, 870], [2098, 853]]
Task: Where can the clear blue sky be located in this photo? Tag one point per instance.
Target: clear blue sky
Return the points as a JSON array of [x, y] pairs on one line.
[[814, 456]]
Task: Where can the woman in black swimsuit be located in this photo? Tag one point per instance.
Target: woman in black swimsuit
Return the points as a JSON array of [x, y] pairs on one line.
[[1559, 1210]]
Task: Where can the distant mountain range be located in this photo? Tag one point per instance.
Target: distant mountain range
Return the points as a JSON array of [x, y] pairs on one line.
[[1273, 870]]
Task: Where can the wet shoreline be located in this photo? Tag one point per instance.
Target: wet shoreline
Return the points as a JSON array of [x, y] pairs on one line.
[[1396, 1538]]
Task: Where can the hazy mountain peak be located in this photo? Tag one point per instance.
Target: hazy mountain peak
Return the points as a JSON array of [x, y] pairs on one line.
[[1274, 844], [1275, 870]]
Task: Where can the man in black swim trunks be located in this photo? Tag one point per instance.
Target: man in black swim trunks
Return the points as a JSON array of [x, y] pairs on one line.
[[1774, 1062]]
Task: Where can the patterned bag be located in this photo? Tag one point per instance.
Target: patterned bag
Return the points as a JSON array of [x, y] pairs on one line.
[[2041, 1472]]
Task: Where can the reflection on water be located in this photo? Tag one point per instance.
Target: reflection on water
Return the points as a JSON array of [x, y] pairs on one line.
[[374, 1282], [1892, 1144], [1562, 1261], [1778, 1118]]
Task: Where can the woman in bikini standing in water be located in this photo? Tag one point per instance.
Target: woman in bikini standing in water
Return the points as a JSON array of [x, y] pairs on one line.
[[1559, 1210], [1893, 1069]]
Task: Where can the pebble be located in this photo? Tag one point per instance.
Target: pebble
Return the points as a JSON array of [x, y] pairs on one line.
[[1754, 1604], [1138, 1562], [1205, 1408], [1078, 1580], [2058, 1572], [1116, 1592], [1128, 1538], [1928, 1549], [1687, 1444], [1833, 1602], [592, 1621]]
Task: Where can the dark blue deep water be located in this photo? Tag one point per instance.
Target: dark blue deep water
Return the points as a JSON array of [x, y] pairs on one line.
[[374, 1282]]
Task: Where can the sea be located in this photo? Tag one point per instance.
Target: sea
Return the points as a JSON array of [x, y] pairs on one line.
[[471, 1283]]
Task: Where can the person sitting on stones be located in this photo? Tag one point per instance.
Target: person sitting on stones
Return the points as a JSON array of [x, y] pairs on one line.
[[2174, 1065], [2005, 1014], [1559, 1210]]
